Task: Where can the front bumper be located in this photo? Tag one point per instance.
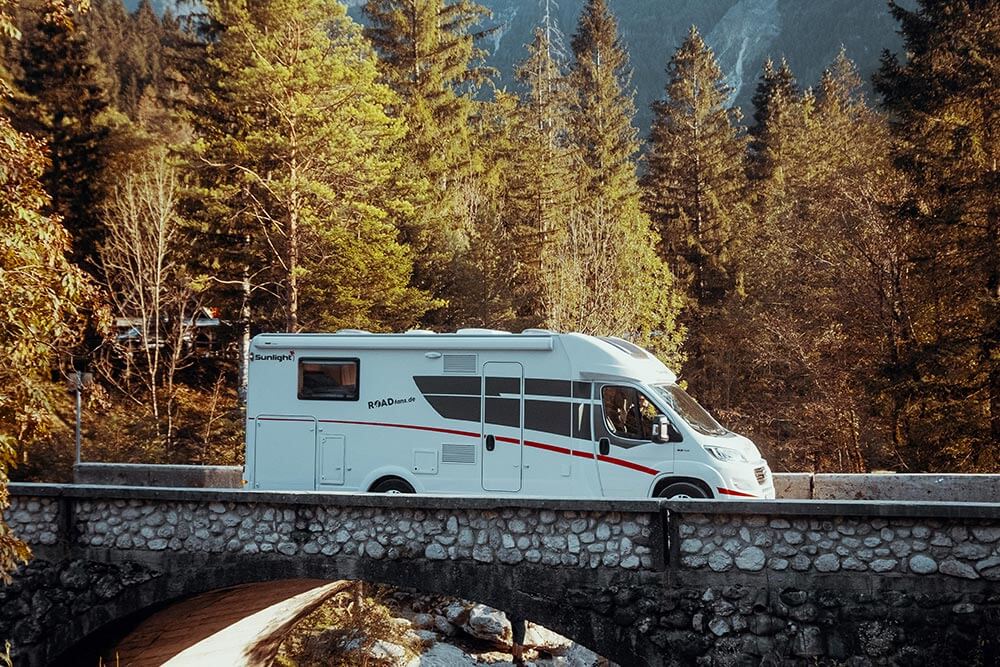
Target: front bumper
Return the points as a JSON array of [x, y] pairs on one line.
[[759, 485]]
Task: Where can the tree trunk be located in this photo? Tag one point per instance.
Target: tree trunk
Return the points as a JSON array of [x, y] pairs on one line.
[[244, 380], [292, 324], [991, 338]]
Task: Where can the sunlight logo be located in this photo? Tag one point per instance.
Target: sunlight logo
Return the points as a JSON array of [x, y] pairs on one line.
[[284, 356]]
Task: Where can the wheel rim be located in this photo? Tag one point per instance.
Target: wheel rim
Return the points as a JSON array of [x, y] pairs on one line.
[[680, 495], [394, 492]]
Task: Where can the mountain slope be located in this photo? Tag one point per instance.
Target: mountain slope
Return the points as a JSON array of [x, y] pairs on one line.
[[743, 34]]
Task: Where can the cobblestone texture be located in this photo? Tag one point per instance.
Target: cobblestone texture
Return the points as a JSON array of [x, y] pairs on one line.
[[754, 587], [45, 597], [34, 520], [741, 624], [507, 536], [753, 543]]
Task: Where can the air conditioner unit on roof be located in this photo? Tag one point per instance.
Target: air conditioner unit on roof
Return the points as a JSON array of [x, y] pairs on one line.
[[482, 332]]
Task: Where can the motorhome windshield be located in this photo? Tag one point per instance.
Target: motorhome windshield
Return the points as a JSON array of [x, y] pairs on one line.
[[689, 410]]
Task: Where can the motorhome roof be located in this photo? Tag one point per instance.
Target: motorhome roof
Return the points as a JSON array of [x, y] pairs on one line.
[[464, 339], [596, 357]]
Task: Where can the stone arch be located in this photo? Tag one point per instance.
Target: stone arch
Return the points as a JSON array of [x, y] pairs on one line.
[[543, 595]]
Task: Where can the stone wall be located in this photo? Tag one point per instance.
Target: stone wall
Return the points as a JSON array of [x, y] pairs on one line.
[[507, 535], [832, 583], [735, 619], [642, 582], [721, 543], [34, 518], [47, 598]]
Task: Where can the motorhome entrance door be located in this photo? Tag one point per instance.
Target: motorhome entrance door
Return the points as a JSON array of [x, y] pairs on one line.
[[502, 425]]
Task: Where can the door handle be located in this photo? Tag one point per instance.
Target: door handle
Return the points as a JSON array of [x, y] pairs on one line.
[[491, 443], [604, 446]]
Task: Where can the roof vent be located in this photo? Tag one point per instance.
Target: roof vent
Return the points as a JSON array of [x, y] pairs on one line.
[[352, 331], [545, 332], [482, 332], [459, 363], [419, 332]]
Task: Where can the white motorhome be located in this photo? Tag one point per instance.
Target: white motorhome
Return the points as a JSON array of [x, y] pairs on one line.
[[484, 412]]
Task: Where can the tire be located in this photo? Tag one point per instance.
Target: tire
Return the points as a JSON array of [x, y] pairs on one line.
[[682, 490], [391, 485]]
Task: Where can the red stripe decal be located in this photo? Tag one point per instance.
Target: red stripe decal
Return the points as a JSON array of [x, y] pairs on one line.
[[730, 492], [548, 448], [627, 464], [449, 431], [469, 434]]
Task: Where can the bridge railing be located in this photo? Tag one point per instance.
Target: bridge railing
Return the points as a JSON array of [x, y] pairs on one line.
[[626, 535], [960, 541], [638, 581]]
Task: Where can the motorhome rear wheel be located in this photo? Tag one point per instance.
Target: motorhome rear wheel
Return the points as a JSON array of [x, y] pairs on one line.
[[392, 485]]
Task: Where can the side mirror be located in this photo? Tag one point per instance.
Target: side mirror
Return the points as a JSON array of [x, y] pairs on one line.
[[675, 435], [664, 431]]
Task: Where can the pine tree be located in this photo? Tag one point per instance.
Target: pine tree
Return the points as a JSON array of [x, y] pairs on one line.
[[774, 102], [106, 23], [943, 101], [781, 117], [825, 282], [429, 58], [695, 191], [63, 99], [141, 68], [492, 276], [543, 187], [302, 163], [629, 290]]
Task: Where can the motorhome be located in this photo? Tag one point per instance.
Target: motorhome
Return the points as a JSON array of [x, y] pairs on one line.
[[484, 412]]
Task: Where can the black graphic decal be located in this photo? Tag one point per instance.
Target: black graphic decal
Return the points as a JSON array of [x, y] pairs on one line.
[[540, 387], [496, 386], [464, 408], [503, 412], [436, 384], [459, 398], [548, 416]]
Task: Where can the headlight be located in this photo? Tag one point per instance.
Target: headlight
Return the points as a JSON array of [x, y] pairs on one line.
[[727, 455]]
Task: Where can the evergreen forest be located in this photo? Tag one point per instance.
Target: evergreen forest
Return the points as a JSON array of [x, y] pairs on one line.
[[822, 269]]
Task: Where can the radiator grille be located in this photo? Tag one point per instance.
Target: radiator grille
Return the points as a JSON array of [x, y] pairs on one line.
[[458, 453], [459, 363]]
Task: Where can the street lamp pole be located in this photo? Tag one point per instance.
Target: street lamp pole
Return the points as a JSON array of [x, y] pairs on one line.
[[79, 408], [79, 381]]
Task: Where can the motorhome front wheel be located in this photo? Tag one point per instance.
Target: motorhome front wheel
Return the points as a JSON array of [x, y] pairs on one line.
[[682, 490]]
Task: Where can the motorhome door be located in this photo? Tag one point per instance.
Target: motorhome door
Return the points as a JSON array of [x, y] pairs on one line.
[[502, 425], [623, 417], [285, 452]]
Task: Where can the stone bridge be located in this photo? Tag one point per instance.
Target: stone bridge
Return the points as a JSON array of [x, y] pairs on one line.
[[642, 582]]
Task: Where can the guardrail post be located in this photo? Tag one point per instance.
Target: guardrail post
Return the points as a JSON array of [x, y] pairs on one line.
[[662, 539]]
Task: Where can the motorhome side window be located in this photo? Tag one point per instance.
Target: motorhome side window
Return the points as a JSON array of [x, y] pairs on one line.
[[328, 379], [627, 413]]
